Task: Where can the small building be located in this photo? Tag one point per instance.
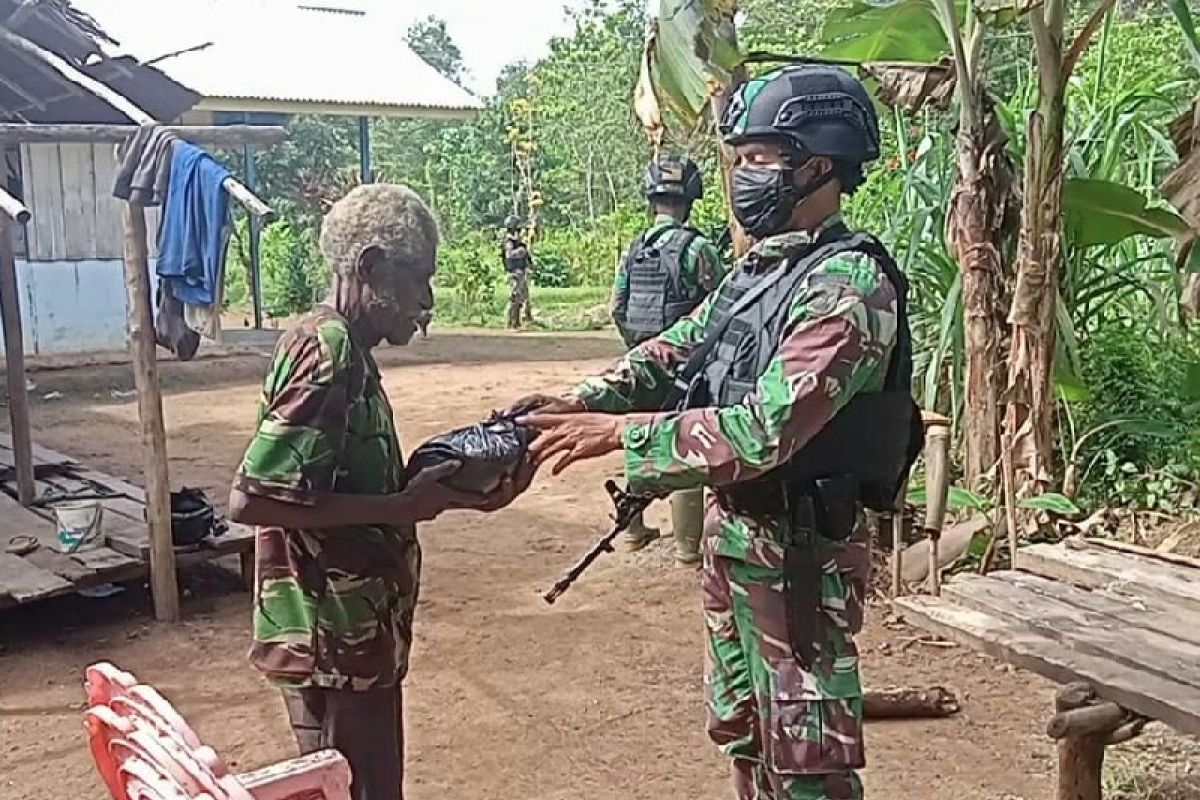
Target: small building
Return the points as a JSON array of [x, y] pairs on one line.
[[246, 60]]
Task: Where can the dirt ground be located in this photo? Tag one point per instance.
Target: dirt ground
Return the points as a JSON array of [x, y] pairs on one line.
[[598, 697]]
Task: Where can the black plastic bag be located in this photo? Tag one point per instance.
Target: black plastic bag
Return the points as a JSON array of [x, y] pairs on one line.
[[488, 451]]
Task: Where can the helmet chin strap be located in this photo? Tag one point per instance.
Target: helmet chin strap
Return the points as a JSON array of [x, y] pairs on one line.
[[804, 193]]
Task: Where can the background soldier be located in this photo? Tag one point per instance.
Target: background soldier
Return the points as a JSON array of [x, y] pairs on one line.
[[669, 269], [808, 329], [518, 263], [338, 563]]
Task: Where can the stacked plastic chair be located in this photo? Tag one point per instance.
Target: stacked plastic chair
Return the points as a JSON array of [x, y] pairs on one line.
[[146, 751]]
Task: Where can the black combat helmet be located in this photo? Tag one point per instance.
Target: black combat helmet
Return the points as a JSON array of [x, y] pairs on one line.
[[673, 177], [822, 110], [512, 223]]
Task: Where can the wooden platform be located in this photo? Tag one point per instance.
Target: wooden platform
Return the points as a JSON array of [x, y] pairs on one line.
[[125, 557], [1122, 619]]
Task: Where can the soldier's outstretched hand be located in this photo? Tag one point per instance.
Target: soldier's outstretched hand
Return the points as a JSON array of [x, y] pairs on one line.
[[576, 437], [545, 404]]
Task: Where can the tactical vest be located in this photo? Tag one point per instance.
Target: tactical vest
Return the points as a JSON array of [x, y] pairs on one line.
[[658, 297], [875, 437], [515, 254]]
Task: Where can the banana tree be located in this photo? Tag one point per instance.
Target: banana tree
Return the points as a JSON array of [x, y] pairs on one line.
[[946, 37], [1028, 444], [690, 64], [1182, 186]]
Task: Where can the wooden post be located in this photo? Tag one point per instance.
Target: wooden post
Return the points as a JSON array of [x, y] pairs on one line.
[[895, 521], [937, 490], [14, 360], [1082, 726], [163, 582]]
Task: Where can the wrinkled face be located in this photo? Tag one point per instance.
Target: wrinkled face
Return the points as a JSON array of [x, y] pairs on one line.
[[396, 293]]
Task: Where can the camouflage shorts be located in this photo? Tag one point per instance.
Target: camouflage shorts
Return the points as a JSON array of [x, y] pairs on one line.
[[794, 734]]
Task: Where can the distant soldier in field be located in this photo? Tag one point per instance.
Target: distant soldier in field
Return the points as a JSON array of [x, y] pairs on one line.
[[338, 562], [668, 271], [518, 263]]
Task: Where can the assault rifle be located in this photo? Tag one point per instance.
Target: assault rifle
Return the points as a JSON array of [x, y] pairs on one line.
[[627, 507]]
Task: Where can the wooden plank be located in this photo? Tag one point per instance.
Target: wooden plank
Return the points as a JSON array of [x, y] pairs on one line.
[[1150, 612], [1150, 695], [1079, 629], [79, 201], [29, 191], [48, 221], [203, 135], [108, 208], [63, 565], [41, 455], [1115, 572], [23, 581], [1083, 543], [18, 521]]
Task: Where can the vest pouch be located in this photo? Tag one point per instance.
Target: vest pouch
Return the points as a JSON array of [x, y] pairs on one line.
[[836, 506]]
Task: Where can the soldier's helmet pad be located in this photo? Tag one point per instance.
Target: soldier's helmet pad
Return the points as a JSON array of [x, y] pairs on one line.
[[675, 177], [821, 110]]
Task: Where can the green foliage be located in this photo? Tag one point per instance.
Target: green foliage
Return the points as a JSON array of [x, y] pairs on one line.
[[1126, 372]]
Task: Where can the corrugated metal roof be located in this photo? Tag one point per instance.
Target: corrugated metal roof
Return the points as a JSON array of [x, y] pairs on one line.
[[248, 55]]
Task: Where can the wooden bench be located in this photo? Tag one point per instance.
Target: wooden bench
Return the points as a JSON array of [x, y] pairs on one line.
[[1118, 625]]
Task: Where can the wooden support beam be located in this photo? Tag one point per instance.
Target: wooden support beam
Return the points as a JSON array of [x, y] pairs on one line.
[[14, 358], [81, 79], [163, 580], [13, 208], [203, 135]]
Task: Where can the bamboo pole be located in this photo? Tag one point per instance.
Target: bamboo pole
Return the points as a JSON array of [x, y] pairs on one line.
[[937, 490], [14, 359], [13, 208], [248, 199], [163, 581]]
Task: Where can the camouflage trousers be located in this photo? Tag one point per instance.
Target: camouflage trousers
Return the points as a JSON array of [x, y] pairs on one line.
[[793, 733], [518, 298]]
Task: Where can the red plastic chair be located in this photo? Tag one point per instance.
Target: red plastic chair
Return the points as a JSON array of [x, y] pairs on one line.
[[146, 751]]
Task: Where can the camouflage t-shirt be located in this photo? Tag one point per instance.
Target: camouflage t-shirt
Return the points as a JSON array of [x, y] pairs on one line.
[[333, 607]]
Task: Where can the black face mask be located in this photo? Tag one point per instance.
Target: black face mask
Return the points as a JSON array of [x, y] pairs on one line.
[[764, 198]]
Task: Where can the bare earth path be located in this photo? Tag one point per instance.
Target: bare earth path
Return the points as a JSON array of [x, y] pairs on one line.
[[599, 697]]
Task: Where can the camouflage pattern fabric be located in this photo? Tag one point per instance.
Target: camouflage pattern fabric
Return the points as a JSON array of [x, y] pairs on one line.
[[702, 266], [518, 297], [793, 733], [333, 607]]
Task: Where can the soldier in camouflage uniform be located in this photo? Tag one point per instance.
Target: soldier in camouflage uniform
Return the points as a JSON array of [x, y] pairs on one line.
[[338, 562], [786, 707], [669, 269], [518, 264]]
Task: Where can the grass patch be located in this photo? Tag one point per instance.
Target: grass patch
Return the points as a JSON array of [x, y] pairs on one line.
[[574, 308]]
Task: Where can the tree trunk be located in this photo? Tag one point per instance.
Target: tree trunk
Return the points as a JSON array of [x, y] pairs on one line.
[[1030, 400], [974, 227]]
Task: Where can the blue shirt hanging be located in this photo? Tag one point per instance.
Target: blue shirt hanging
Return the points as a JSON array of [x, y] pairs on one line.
[[191, 239]]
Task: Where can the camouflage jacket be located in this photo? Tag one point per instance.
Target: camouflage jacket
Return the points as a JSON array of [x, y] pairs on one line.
[[837, 340], [333, 607], [702, 265]]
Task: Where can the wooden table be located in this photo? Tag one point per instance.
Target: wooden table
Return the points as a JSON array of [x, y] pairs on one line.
[[1118, 624], [46, 573]]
